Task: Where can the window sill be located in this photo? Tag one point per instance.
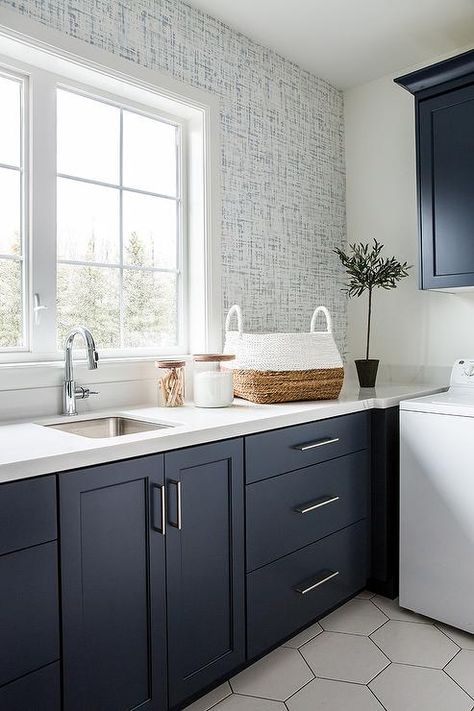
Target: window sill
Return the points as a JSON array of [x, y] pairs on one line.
[[50, 374]]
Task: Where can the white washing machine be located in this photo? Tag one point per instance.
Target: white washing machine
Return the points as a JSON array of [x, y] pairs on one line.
[[437, 502]]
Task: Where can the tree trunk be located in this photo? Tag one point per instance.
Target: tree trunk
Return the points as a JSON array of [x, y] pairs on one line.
[[369, 315]]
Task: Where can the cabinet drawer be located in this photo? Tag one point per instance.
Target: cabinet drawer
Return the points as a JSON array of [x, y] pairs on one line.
[[290, 511], [281, 451], [29, 614], [27, 513], [277, 605], [38, 691]]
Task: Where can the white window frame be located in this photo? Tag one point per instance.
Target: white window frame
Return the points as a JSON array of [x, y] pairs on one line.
[[34, 50], [23, 170]]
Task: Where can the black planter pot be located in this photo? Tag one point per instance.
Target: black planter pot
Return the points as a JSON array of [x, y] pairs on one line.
[[367, 372]]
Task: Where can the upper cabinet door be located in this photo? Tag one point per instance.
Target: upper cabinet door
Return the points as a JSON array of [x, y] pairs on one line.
[[444, 96], [113, 586], [205, 565], [446, 189]]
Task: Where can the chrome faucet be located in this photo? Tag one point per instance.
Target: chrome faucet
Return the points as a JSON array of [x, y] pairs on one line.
[[72, 391]]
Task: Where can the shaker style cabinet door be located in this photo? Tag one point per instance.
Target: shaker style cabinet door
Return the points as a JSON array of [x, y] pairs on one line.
[[446, 188], [205, 566], [113, 586]]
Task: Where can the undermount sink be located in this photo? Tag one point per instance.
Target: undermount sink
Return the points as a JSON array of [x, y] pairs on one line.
[[108, 427]]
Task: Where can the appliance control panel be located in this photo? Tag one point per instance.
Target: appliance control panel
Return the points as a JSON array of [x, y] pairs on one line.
[[462, 373]]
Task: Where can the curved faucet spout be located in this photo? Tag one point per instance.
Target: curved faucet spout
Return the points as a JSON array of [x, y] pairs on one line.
[[70, 390], [92, 355]]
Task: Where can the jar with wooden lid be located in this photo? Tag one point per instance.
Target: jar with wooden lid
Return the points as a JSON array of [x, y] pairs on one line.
[[213, 384], [171, 382]]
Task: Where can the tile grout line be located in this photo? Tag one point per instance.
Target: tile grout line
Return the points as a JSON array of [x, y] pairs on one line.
[[375, 695]]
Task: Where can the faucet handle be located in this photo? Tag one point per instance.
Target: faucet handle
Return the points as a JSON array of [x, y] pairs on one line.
[[83, 393]]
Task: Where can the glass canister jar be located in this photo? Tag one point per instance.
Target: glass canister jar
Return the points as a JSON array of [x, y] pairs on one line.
[[170, 382], [212, 384]]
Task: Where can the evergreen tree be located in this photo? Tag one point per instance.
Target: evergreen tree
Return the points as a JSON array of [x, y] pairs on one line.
[[11, 313], [147, 302], [89, 296]]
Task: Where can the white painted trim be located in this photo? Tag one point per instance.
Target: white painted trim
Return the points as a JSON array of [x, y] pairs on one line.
[[32, 41]]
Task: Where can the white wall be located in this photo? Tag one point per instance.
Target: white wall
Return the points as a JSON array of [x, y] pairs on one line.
[[418, 332]]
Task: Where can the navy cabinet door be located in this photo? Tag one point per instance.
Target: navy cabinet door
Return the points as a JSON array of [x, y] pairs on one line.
[[113, 587], [205, 566], [446, 188]]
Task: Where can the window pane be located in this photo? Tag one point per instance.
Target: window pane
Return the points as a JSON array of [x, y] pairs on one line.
[[88, 222], [10, 212], [149, 154], [149, 231], [10, 121], [149, 309], [11, 314], [88, 138], [89, 296]]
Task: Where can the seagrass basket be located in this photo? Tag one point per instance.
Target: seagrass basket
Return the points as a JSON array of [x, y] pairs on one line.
[[284, 367]]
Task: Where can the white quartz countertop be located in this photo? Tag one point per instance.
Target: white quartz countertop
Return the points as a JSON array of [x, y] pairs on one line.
[[28, 449]]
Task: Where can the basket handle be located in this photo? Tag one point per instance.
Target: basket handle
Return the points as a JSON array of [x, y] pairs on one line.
[[314, 318], [237, 311]]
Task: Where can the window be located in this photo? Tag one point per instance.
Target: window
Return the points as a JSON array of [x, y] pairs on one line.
[[110, 208], [119, 235], [96, 179], [13, 332]]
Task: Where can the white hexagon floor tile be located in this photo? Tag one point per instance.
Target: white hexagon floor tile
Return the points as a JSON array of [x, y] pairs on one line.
[[392, 609], [412, 643], [355, 617], [405, 688], [344, 657], [461, 669], [304, 636], [333, 696], [465, 640], [277, 676], [211, 699], [248, 703]]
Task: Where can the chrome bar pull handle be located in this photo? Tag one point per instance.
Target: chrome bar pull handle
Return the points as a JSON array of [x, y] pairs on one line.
[[161, 528], [314, 445], [179, 520], [313, 505], [309, 585]]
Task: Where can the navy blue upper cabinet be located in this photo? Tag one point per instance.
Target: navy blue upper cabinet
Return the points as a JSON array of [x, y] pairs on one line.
[[444, 105], [113, 586], [205, 566]]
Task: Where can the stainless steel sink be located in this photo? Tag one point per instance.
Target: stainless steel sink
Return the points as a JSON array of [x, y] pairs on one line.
[[108, 427]]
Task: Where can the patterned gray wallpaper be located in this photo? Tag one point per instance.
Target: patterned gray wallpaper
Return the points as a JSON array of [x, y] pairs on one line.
[[282, 150]]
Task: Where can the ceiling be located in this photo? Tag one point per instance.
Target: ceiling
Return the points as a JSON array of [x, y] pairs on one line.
[[349, 42]]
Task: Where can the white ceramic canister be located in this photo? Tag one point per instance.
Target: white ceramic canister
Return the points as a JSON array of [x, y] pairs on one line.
[[212, 383]]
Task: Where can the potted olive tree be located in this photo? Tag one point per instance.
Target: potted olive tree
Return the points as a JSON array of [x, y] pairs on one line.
[[367, 270]]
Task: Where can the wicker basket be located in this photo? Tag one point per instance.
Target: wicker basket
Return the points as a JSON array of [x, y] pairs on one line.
[[284, 367]]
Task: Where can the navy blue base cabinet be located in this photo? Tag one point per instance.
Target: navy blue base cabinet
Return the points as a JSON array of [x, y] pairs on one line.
[[113, 586], [29, 600], [205, 566], [169, 573], [385, 499]]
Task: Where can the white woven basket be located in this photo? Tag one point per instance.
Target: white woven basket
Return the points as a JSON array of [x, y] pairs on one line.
[[282, 351], [278, 367]]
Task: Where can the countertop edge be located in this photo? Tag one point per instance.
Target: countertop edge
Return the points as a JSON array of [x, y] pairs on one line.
[[103, 451]]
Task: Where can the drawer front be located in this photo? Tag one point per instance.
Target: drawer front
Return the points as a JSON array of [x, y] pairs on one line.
[[281, 451], [277, 604], [29, 611], [39, 691], [27, 513], [293, 510]]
